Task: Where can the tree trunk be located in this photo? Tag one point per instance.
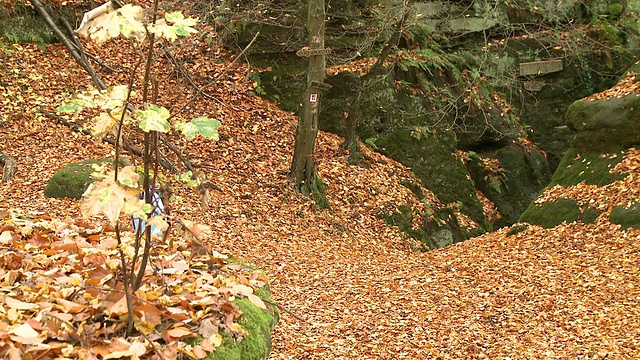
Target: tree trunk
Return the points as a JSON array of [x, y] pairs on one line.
[[303, 167], [9, 166], [355, 112], [352, 121]]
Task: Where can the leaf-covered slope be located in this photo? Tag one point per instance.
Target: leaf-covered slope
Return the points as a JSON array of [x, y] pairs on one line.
[[568, 291]]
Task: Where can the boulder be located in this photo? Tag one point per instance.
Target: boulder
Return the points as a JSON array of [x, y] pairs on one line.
[[259, 324], [577, 166], [438, 228], [552, 214], [519, 175], [72, 180], [627, 217], [605, 125]]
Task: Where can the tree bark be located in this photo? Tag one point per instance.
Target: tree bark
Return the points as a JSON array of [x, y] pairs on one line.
[[9, 167], [352, 121], [303, 167], [67, 43]]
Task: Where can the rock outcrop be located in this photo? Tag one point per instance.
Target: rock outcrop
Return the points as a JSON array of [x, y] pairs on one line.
[[607, 126]]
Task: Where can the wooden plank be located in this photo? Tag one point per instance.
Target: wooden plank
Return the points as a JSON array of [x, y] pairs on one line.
[[313, 52], [540, 67]]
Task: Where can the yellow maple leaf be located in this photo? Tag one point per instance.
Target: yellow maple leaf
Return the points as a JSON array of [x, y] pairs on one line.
[[111, 198], [103, 125]]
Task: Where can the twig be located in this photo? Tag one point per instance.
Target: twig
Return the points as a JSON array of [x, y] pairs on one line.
[[195, 238], [64, 121], [95, 58], [153, 345], [202, 89], [65, 40], [184, 73], [285, 310], [78, 45], [177, 151]]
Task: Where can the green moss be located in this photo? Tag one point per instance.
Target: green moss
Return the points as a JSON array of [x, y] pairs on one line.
[[431, 158], [605, 125], [319, 195], [73, 179], [627, 217], [283, 81], [257, 345], [438, 226], [591, 167], [516, 229], [258, 323], [552, 214], [415, 188], [23, 24]]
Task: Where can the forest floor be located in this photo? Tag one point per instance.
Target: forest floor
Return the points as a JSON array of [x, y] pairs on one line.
[[572, 291]]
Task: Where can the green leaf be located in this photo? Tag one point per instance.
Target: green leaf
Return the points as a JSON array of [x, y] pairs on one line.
[[188, 130], [207, 127], [187, 178], [181, 22], [153, 119], [77, 104], [174, 17], [203, 125]]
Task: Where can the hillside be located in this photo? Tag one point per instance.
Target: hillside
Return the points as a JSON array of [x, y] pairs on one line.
[[571, 291]]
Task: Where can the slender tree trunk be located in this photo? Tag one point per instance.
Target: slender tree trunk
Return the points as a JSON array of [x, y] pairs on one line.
[[303, 167], [355, 112], [352, 121]]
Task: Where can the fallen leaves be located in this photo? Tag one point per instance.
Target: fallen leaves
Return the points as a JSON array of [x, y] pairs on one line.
[[619, 193], [629, 84], [63, 289], [568, 292]]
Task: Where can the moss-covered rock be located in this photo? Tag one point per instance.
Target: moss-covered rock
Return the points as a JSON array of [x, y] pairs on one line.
[[511, 177], [577, 166], [445, 85], [627, 217], [282, 78], [592, 168], [517, 229], [259, 324], [432, 161], [438, 226], [554, 213], [605, 125], [72, 180]]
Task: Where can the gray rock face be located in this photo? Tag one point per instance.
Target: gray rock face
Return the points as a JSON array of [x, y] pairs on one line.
[[605, 125]]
